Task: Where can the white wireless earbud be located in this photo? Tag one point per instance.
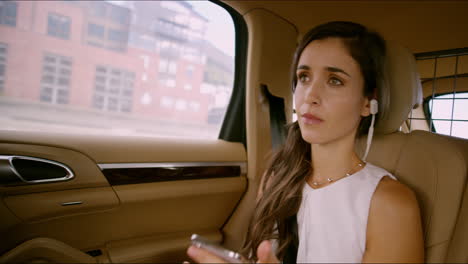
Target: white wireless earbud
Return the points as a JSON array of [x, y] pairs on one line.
[[374, 109]]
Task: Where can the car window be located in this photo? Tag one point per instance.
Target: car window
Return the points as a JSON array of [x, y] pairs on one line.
[[449, 114], [154, 68], [444, 109]]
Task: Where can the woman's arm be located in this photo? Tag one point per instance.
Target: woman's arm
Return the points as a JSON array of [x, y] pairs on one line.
[[394, 230]]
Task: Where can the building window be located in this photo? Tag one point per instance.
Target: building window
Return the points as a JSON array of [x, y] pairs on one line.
[[3, 55], [96, 30], [167, 81], [168, 48], [167, 66], [167, 102], [113, 89], [58, 26], [194, 106], [181, 105], [8, 10], [120, 15], [143, 41], [55, 82], [190, 70], [117, 36], [98, 9], [188, 87]]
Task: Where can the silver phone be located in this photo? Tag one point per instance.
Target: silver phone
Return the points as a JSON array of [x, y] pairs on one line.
[[226, 254]]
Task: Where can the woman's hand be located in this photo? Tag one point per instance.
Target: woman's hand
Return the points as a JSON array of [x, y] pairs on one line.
[[265, 254], [201, 255]]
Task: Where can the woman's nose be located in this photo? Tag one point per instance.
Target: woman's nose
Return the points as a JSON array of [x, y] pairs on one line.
[[313, 93]]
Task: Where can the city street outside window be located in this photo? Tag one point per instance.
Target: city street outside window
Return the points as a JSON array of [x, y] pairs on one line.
[[153, 68]]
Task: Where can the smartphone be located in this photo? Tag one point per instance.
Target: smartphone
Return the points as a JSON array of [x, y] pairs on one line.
[[226, 254]]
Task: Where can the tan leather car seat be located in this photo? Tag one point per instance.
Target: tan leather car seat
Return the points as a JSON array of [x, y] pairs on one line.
[[458, 252], [430, 164]]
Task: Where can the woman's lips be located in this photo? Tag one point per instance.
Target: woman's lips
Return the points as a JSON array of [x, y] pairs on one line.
[[311, 119]]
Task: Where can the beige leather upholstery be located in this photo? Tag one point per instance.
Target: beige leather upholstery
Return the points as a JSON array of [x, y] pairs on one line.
[[397, 98], [459, 244], [432, 165], [45, 250]]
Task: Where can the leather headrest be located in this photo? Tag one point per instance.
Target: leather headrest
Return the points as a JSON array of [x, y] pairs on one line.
[[401, 90]]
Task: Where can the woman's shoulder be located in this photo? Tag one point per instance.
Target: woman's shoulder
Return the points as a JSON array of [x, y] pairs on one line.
[[391, 190], [393, 199], [377, 172], [394, 223]]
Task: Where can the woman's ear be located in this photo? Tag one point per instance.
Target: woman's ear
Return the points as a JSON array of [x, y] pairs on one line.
[[365, 110]]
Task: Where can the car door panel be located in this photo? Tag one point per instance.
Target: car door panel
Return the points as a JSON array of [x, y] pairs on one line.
[[47, 205], [188, 187], [87, 173]]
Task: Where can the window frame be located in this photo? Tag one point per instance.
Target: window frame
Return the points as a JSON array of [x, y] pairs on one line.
[[234, 128]]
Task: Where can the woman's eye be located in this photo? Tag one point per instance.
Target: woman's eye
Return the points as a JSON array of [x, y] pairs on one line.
[[335, 81], [303, 78]]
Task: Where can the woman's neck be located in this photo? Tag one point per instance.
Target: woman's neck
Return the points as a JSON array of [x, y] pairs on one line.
[[333, 160]]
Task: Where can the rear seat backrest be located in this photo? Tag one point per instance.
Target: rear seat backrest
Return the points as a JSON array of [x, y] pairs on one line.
[[430, 164], [458, 249]]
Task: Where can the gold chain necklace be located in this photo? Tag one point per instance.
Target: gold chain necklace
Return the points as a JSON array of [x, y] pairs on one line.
[[329, 180]]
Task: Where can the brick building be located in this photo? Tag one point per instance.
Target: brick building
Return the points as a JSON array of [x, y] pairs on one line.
[[141, 58]]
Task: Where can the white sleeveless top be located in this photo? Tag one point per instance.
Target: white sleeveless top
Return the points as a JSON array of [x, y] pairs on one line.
[[332, 220]]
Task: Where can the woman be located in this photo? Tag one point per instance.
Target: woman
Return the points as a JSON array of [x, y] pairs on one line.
[[318, 197]]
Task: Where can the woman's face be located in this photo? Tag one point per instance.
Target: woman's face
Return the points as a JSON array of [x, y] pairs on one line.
[[329, 92]]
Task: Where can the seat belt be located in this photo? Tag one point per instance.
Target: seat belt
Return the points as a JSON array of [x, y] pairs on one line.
[[277, 117], [278, 135]]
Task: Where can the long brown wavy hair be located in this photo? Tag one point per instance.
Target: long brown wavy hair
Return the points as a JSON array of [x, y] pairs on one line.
[[281, 186]]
